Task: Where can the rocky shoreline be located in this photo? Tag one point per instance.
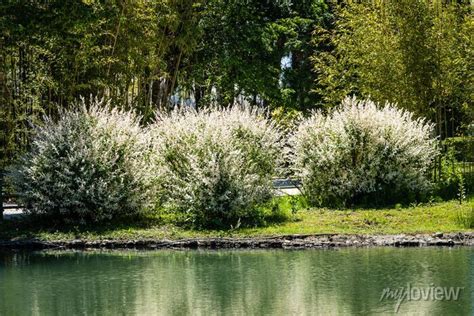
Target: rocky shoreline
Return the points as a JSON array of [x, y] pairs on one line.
[[323, 241]]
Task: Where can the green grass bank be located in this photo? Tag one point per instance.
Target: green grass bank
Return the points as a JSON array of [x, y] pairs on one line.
[[449, 216]]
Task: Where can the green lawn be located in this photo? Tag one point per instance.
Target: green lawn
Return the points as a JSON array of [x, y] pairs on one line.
[[427, 218]]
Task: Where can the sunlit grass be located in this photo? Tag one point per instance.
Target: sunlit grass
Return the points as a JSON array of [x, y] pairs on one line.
[[447, 216]]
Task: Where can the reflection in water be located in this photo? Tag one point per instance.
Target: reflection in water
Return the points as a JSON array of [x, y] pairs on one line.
[[347, 281]]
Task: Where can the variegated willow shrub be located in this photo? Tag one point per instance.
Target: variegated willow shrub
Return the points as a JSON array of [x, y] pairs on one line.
[[88, 166], [214, 167], [363, 153]]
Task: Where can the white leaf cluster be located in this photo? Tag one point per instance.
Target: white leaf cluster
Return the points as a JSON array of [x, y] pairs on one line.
[[362, 148], [90, 165], [214, 166]]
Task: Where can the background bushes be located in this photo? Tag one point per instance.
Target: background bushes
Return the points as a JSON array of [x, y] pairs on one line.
[[90, 165], [363, 153], [455, 168], [463, 147], [215, 167]]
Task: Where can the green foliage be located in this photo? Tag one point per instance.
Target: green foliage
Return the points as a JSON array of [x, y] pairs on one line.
[[89, 166], [287, 119], [242, 47], [462, 147], [413, 53], [456, 178]]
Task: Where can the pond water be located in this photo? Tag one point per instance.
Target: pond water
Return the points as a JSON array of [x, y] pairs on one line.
[[325, 282]]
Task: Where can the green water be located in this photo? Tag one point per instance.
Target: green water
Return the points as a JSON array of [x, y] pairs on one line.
[[324, 282]]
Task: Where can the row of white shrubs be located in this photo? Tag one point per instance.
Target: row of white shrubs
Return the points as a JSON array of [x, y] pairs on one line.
[[215, 167]]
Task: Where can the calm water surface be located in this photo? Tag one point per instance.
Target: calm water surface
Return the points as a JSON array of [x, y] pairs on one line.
[[312, 282]]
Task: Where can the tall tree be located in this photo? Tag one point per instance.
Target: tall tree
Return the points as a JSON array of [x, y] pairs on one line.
[[414, 53], [242, 47]]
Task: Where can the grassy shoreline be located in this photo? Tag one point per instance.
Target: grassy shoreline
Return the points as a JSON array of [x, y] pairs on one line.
[[446, 217]]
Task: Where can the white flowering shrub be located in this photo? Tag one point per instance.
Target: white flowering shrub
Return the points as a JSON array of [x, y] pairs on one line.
[[90, 165], [214, 167], [361, 151]]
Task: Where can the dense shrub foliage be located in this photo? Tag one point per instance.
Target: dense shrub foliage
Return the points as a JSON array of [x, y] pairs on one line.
[[455, 170], [90, 165], [463, 147], [215, 166], [360, 151]]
